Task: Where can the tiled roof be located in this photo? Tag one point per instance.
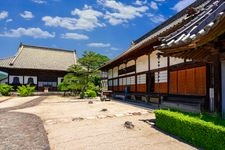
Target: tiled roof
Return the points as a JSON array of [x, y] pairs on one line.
[[205, 20], [34, 57], [164, 27]]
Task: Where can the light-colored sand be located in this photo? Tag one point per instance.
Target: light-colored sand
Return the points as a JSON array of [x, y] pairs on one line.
[[3, 98], [74, 124]]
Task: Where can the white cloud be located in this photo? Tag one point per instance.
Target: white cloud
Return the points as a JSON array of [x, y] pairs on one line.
[[154, 5], [39, 1], [74, 36], [156, 18], [31, 32], [140, 2], [121, 13], [99, 45], [3, 15], [85, 19], [27, 15], [114, 48], [182, 4], [9, 20]]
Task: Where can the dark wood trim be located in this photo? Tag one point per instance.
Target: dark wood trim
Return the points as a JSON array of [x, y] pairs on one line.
[[217, 84], [168, 75], [135, 74], [158, 70]]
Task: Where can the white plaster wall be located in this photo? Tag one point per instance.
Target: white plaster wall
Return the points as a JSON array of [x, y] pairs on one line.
[[163, 77], [122, 66], [59, 79], [131, 80], [4, 81], [115, 82], [27, 77], [223, 87], [124, 81], [11, 79], [141, 79], [142, 63], [110, 82], [115, 72], [175, 61], [130, 63], [110, 74], [104, 84], [154, 61], [121, 81]]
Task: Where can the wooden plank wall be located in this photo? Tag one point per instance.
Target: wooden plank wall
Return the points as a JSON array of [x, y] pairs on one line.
[[188, 82]]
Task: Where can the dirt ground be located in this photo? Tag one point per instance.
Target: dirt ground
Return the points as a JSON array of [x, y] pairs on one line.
[[57, 123]]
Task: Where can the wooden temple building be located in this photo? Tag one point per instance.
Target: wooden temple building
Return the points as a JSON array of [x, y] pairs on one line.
[[39, 66], [179, 64]]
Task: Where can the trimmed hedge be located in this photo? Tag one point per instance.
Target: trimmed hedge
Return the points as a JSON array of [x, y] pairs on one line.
[[192, 129]]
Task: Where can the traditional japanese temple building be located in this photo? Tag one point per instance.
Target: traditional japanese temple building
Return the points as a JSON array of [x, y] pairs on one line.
[[39, 66], [178, 64]]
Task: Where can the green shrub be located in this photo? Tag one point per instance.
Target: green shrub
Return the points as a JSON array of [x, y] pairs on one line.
[[90, 93], [5, 89], [192, 129], [26, 90]]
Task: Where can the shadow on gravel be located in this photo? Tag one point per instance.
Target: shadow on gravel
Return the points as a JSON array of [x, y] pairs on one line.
[[137, 104], [152, 123], [6, 100], [31, 103], [22, 130]]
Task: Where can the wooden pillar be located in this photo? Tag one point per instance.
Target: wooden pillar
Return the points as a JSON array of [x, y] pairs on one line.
[[168, 75], [149, 75], [223, 87], [217, 84], [135, 75]]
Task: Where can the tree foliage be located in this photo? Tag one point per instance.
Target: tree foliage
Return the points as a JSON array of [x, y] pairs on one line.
[[92, 60], [84, 75]]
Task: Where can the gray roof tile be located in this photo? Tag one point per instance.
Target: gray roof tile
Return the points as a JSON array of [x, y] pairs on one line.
[[34, 57]]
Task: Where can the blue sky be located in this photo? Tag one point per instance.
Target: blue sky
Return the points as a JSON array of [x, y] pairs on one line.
[[103, 26]]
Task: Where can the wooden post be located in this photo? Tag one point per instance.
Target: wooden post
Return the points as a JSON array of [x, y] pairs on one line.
[[135, 75], [217, 84], [168, 75]]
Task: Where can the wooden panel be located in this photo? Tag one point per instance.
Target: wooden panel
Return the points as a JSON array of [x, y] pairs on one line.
[[160, 88], [201, 81], [121, 88], [190, 82], [182, 82], [141, 88], [115, 88], [132, 88], [173, 83]]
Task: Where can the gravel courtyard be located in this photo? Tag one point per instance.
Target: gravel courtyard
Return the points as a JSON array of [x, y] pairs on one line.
[[55, 122]]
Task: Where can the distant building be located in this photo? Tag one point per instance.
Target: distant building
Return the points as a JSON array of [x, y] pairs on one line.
[[181, 62], [39, 66]]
